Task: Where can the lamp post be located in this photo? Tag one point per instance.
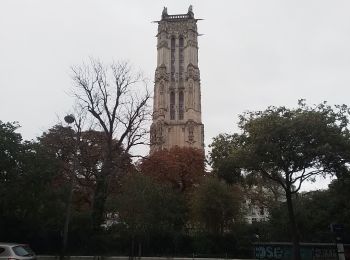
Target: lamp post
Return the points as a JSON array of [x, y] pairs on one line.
[[69, 119]]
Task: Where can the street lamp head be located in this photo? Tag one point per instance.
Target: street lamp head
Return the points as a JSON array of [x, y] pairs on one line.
[[69, 119]]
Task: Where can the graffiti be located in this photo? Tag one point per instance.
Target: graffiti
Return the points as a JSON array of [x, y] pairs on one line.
[[324, 253], [308, 251], [268, 252]]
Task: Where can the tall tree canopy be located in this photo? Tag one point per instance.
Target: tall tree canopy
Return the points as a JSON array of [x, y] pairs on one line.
[[30, 210], [180, 166], [10, 149], [290, 146], [115, 99], [314, 211], [88, 149], [216, 205], [147, 207]]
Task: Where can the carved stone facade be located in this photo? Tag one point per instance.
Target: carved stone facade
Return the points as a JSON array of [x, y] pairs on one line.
[[177, 96]]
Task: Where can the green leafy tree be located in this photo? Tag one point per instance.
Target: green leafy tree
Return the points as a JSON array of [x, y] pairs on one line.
[[29, 207], [312, 215], [222, 147], [291, 146], [216, 206], [314, 212], [10, 150], [258, 190], [147, 208], [339, 191]]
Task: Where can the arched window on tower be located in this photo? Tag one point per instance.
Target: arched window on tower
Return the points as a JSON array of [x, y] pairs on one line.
[[172, 65], [181, 58], [181, 105], [172, 105]]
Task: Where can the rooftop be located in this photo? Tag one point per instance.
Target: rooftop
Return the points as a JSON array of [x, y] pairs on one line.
[[167, 17]]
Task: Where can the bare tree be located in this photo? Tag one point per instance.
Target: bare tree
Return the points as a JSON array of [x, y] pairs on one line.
[[116, 98]]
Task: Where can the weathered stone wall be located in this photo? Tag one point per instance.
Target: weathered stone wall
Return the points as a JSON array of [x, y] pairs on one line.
[[177, 118]]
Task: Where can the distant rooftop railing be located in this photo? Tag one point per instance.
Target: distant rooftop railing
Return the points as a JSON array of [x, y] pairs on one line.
[[177, 16]]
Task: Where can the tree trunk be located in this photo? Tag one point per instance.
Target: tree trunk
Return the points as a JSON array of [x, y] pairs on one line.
[[132, 246], [99, 202], [109, 167], [67, 218], [101, 190], [140, 250], [293, 225]]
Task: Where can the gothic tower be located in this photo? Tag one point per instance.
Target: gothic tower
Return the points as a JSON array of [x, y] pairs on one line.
[[177, 96]]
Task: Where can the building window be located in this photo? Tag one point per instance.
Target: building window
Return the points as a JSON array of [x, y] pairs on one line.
[[262, 211], [172, 105], [181, 58], [172, 65], [181, 105]]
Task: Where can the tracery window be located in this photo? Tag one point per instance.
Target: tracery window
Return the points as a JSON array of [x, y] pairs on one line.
[[181, 57], [172, 105], [172, 65], [181, 105]]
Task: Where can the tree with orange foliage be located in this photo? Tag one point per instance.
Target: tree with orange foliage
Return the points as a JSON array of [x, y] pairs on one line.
[[89, 152], [182, 167]]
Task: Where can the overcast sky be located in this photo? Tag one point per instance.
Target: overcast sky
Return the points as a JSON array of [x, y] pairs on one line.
[[253, 53]]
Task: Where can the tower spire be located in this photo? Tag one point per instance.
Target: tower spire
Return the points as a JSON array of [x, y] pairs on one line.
[[177, 95]]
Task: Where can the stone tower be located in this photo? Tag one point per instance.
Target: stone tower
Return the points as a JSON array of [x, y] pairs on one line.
[[177, 96]]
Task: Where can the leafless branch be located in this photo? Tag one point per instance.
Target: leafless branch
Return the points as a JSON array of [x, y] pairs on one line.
[[274, 177], [112, 96]]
